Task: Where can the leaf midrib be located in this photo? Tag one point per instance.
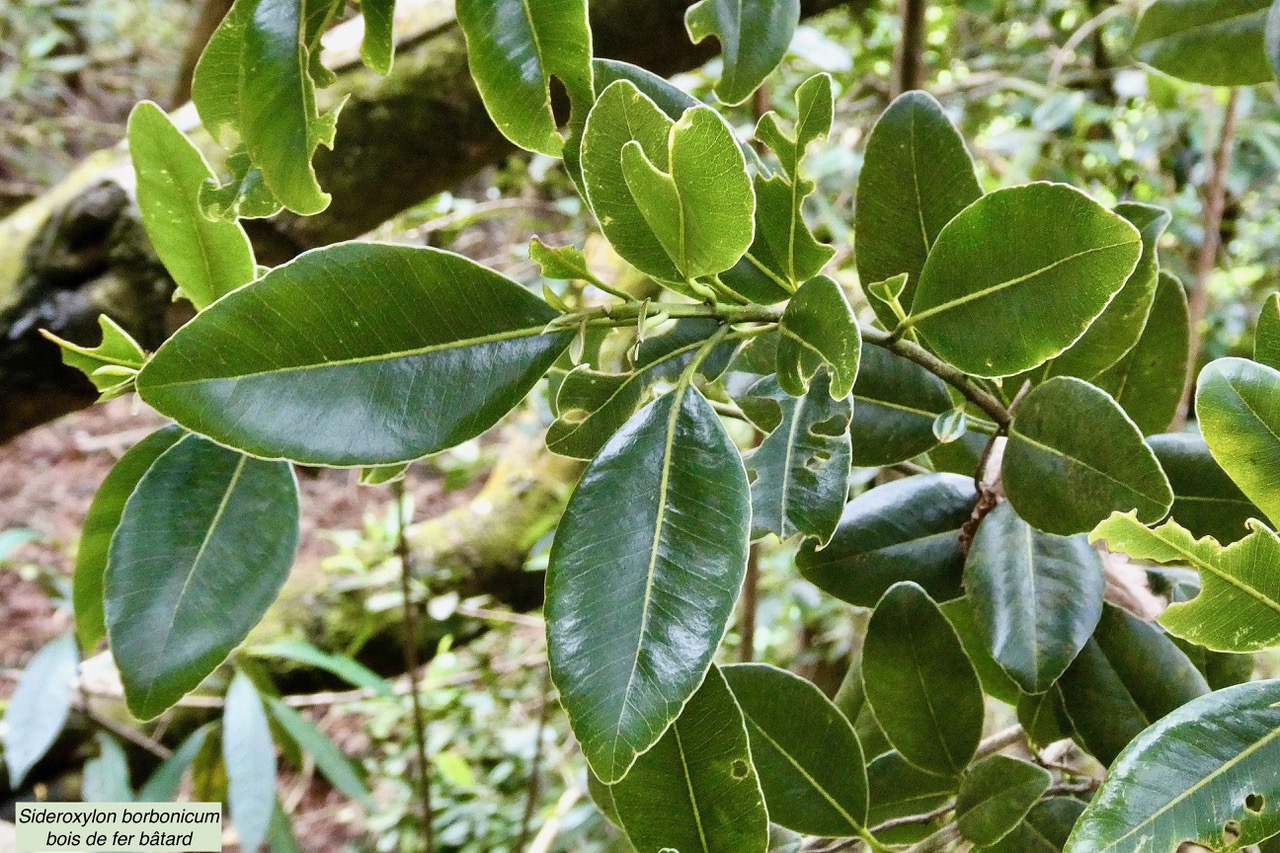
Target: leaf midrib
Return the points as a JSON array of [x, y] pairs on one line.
[[817, 786], [1021, 436]]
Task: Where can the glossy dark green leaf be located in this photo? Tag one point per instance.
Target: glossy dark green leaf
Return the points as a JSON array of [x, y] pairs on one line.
[[1238, 404], [900, 790], [1037, 596], [637, 604], [1127, 676], [256, 82], [330, 761], [1238, 608], [1208, 765], [996, 683], [165, 782], [1119, 327], [207, 530], [920, 683], [818, 329], [378, 47], [1044, 718], [106, 776], [1148, 381], [1205, 501], [1215, 42], [514, 48], [802, 468], [112, 365], [907, 530], [39, 707], [100, 525], [991, 312], [1266, 338], [916, 177], [1044, 829], [362, 366], [753, 35], [1074, 457], [808, 759], [895, 402], [206, 258], [995, 795], [696, 789], [250, 758]]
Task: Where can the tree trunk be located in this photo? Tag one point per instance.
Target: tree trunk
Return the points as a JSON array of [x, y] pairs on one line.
[[79, 250]]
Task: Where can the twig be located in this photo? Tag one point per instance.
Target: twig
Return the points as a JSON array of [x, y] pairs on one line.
[[531, 794], [547, 835], [1077, 38], [909, 63], [1000, 741], [134, 736], [949, 834], [913, 819]]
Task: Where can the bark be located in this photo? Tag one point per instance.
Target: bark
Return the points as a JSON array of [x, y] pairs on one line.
[[79, 250]]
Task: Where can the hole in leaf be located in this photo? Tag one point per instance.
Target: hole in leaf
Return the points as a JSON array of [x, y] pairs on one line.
[[739, 769], [752, 475], [1192, 847], [1231, 831], [1255, 803], [833, 426]]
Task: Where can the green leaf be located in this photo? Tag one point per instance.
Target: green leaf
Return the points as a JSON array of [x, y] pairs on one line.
[[895, 402], [250, 759], [1215, 42], [996, 683], [806, 754], [753, 35], [916, 177], [1037, 596], [815, 111], [106, 777], [992, 312], [566, 263], [635, 617], [1119, 327], [335, 766], [381, 475], [100, 525], [696, 198], [1208, 765], [1205, 501], [39, 707], [351, 671], [696, 789], [1238, 608], [207, 530], [1266, 339], [920, 683], [1149, 380], [378, 48], [1074, 457], [514, 48], [112, 365], [255, 82], [899, 790], [163, 784], [1045, 828], [206, 258], [951, 426], [1125, 678], [802, 468], [1238, 404], [818, 329], [995, 795], [907, 530], [356, 374], [1044, 718]]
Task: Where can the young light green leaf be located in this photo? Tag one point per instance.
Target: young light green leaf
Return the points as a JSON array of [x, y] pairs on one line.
[[815, 110], [753, 35], [163, 784], [895, 403], [995, 795], [381, 475], [351, 671], [357, 375], [1037, 596], [1215, 42], [1238, 608], [245, 194], [806, 754], [1148, 381], [696, 789], [206, 258], [256, 82], [378, 48], [784, 253], [818, 329], [1045, 828], [995, 313], [250, 758], [106, 776], [1129, 675], [920, 683], [1238, 404], [227, 551], [802, 467], [566, 263], [907, 530], [614, 603], [1205, 767], [335, 766], [514, 48], [112, 365], [916, 177], [1205, 501], [1074, 457], [39, 706], [1266, 338], [100, 525]]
